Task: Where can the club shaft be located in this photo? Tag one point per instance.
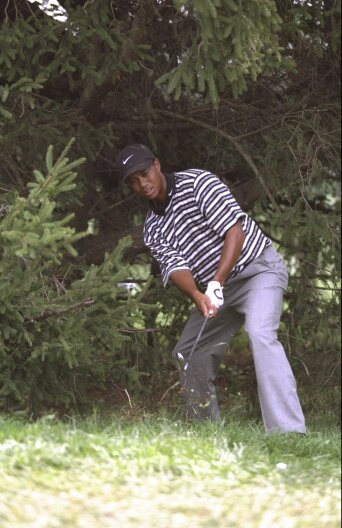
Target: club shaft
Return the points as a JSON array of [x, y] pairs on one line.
[[197, 340]]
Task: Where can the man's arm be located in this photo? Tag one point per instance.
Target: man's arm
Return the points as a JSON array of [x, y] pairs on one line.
[[184, 281], [231, 251]]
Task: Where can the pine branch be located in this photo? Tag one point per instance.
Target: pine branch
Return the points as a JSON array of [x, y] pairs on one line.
[[139, 330], [60, 311], [94, 94]]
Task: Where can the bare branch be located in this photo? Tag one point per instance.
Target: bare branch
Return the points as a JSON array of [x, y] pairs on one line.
[[232, 140]]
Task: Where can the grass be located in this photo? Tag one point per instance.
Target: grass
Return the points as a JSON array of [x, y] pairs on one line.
[[153, 471]]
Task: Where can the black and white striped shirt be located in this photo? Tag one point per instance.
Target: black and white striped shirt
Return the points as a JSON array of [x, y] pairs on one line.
[[189, 233]]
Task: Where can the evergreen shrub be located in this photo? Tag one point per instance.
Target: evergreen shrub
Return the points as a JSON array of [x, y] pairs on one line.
[[63, 327]]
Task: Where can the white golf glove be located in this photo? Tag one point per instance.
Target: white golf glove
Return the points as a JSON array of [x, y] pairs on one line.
[[215, 293]]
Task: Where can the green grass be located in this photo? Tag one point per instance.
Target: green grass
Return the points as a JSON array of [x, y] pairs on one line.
[[152, 471]]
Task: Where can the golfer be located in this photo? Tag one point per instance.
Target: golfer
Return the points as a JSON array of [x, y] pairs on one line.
[[216, 254]]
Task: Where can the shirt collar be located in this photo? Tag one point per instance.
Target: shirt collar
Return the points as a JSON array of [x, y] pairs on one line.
[[160, 208]]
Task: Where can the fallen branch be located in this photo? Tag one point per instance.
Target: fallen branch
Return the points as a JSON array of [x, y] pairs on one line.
[[168, 390]]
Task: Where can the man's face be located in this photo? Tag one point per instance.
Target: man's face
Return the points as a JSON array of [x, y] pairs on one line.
[[149, 183]]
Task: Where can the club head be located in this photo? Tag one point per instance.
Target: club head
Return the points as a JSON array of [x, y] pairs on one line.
[[180, 360]]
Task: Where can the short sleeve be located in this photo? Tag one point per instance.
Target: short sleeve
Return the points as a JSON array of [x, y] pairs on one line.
[[217, 204]]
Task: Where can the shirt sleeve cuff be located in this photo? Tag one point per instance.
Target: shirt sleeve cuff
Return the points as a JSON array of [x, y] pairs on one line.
[[225, 227], [168, 273]]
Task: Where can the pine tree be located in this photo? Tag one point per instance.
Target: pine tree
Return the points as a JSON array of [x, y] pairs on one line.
[[60, 326]]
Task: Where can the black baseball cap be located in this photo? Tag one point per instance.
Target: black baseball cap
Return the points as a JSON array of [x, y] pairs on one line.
[[133, 158]]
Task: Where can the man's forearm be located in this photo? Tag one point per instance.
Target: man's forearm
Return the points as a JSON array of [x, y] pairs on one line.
[[231, 251], [185, 282]]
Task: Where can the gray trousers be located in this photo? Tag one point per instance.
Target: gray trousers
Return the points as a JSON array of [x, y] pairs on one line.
[[253, 298]]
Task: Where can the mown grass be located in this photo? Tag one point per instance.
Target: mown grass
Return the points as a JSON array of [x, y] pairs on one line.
[[153, 471]]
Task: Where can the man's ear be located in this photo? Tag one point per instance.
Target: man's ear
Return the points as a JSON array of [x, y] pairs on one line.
[[157, 164]]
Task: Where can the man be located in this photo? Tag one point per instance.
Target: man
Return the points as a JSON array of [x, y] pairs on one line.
[[216, 255]]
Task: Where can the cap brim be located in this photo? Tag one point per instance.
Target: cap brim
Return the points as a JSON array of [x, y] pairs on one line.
[[135, 168]]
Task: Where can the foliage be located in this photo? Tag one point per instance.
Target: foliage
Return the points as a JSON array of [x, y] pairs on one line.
[[242, 36], [249, 90], [61, 327]]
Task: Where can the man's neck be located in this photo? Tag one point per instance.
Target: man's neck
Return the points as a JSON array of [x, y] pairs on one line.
[[159, 206], [163, 197]]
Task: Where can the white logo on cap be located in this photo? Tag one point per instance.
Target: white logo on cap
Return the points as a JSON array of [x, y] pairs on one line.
[[125, 161]]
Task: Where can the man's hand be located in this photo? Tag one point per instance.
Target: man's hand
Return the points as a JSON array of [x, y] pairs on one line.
[[207, 304], [204, 304], [215, 293]]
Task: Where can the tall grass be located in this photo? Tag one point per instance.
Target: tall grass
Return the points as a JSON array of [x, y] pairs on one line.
[[153, 471]]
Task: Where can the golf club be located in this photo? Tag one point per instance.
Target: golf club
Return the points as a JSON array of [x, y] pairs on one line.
[[180, 356]]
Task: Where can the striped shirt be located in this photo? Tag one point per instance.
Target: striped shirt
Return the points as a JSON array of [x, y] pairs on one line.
[[189, 234]]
